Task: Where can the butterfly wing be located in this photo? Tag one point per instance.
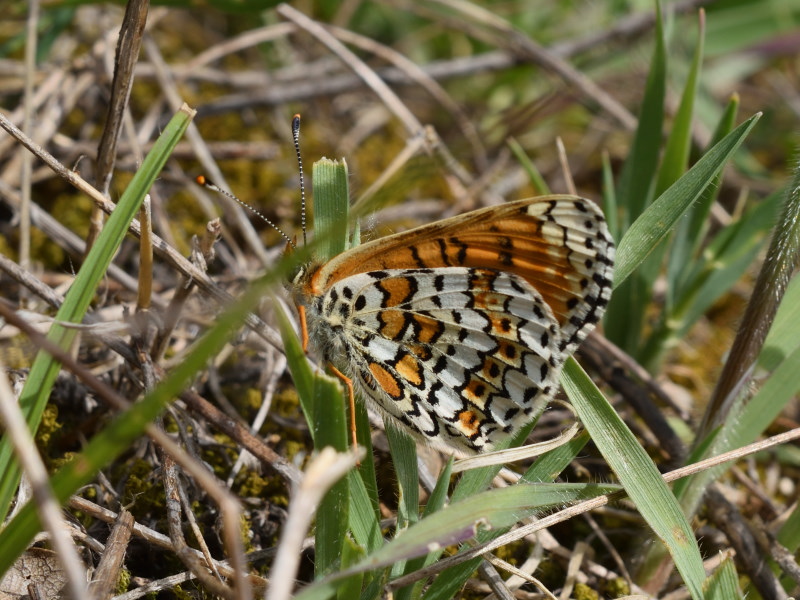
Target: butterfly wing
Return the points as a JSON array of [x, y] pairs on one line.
[[560, 245], [460, 356]]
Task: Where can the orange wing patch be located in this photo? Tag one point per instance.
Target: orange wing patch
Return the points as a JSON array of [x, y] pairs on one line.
[[392, 323], [397, 289], [492, 370], [477, 392], [427, 329], [410, 369], [502, 326], [470, 422], [508, 352], [386, 380]]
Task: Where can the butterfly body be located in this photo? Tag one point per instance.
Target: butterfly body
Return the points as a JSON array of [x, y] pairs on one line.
[[457, 330]]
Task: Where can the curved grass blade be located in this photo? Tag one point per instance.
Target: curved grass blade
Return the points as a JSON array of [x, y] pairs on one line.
[[637, 473], [45, 369], [660, 218]]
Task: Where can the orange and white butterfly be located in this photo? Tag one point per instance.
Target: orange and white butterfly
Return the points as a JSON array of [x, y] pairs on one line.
[[456, 331]]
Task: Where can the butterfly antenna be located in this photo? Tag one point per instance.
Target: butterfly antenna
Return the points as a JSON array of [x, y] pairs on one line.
[[296, 139], [207, 183]]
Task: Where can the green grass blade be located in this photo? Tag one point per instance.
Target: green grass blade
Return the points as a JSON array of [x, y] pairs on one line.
[[550, 465], [637, 473], [673, 165], [350, 587], [610, 206], [534, 175], [698, 218], [404, 458], [321, 396], [332, 518], [789, 534], [724, 582], [782, 259], [331, 206], [624, 317], [364, 521], [636, 180], [783, 337], [45, 369], [663, 214], [364, 504], [676, 151], [302, 375], [436, 502]]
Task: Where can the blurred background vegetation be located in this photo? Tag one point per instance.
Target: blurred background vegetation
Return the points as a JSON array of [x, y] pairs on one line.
[[479, 93]]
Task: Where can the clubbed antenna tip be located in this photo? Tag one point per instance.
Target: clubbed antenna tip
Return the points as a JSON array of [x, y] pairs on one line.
[[203, 181], [296, 139]]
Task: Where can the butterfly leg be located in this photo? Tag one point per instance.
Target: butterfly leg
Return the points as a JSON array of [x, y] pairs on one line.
[[352, 401], [301, 313]]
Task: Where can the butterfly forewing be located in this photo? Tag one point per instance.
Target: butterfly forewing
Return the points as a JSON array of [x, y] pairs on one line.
[[559, 244]]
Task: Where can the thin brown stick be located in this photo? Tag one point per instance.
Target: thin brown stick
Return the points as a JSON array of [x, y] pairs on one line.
[[145, 291], [181, 549], [106, 575], [162, 541], [31, 38], [125, 59]]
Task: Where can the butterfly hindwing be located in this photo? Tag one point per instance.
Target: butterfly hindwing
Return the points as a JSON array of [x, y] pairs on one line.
[[458, 354]]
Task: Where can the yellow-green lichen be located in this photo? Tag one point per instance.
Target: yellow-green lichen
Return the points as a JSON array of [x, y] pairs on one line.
[[123, 581], [584, 592]]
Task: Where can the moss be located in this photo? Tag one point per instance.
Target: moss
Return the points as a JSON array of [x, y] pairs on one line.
[[123, 581], [511, 552], [286, 404], [144, 490], [617, 588], [292, 449], [57, 463], [48, 426], [245, 533], [252, 398], [249, 484], [584, 592]]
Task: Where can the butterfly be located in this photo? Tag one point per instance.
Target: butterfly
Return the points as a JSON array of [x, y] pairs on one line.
[[456, 331]]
